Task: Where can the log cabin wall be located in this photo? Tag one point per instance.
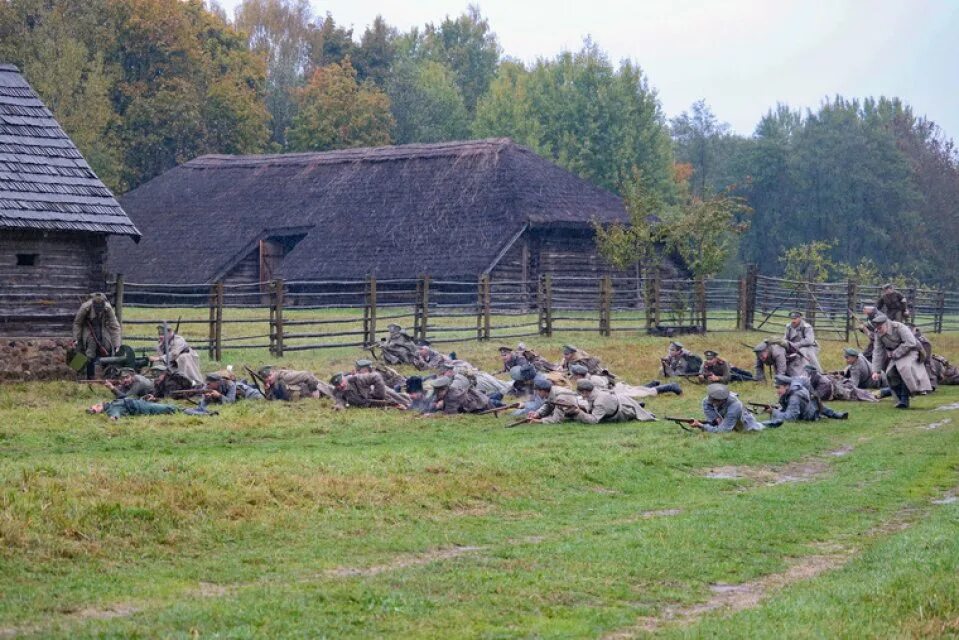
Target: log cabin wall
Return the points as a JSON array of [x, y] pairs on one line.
[[44, 277]]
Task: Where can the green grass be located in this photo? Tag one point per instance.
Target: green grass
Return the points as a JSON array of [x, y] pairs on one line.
[[279, 520]]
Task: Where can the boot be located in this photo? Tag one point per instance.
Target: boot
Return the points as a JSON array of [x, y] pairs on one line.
[[902, 392], [672, 387], [885, 392], [652, 384]]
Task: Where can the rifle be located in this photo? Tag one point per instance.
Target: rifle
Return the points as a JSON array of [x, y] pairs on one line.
[[495, 410], [166, 346], [520, 422], [859, 326], [177, 328], [768, 408], [663, 363], [95, 381], [188, 393], [256, 380], [372, 349], [682, 422]]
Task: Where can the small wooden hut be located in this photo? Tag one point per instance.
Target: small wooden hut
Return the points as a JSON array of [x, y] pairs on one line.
[[55, 216], [451, 210]]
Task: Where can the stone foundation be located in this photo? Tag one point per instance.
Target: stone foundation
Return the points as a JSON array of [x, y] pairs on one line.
[[34, 359]]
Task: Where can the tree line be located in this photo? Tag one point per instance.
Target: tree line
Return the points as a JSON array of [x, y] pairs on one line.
[[142, 85]]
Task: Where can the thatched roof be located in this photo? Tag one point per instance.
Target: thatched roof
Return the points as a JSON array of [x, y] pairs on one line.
[[44, 181], [445, 209]]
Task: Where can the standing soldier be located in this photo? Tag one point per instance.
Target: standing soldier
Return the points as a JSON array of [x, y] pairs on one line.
[[892, 304], [397, 347], [899, 355], [801, 339], [96, 330], [177, 355]]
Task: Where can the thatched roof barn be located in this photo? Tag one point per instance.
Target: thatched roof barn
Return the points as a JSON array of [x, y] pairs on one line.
[[455, 209], [55, 216]]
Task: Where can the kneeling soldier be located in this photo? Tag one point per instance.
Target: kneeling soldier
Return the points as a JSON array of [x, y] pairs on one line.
[[724, 412]]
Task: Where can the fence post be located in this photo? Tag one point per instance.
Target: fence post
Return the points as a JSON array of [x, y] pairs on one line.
[[657, 301], [421, 311], [752, 288], [911, 295], [483, 300], [605, 303], [852, 295], [211, 342], [218, 334], [940, 312], [701, 301], [487, 302], [369, 312], [276, 316], [545, 304], [741, 306], [118, 297]]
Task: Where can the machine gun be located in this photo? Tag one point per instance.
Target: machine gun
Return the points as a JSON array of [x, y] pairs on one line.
[[124, 357]]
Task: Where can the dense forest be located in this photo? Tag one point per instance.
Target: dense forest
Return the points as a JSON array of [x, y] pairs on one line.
[[142, 85]]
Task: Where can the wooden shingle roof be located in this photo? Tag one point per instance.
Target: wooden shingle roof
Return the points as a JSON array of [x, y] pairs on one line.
[[44, 181], [400, 211]]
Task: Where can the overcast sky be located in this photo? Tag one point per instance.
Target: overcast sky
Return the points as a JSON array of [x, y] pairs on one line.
[[742, 56]]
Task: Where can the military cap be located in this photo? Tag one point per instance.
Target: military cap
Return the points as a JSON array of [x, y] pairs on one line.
[[423, 343], [762, 346], [676, 345], [160, 328], [521, 346], [568, 348], [782, 380], [336, 379], [795, 314], [810, 367], [96, 295], [213, 377], [540, 382], [126, 371], [717, 391], [394, 327], [265, 371], [888, 285], [710, 354], [849, 351], [879, 318], [579, 370], [441, 382], [505, 350], [584, 385], [158, 366], [362, 363], [414, 384]]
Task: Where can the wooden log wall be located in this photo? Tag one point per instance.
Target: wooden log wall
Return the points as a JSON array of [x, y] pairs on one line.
[[41, 299]]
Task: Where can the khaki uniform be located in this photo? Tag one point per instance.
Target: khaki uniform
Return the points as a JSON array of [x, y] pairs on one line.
[[433, 360], [592, 363], [398, 348], [293, 385], [859, 375], [683, 363], [779, 361], [603, 406], [719, 368], [560, 405], [183, 359], [364, 388], [91, 329], [803, 339], [898, 352], [893, 304], [141, 386]]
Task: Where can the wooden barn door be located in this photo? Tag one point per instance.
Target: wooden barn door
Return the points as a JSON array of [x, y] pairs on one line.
[[271, 261]]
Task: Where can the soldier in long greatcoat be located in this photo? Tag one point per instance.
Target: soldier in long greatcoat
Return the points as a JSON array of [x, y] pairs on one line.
[[898, 354], [96, 330], [801, 338], [183, 359]]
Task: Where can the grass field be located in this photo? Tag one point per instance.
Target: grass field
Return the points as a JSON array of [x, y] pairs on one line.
[[290, 520]]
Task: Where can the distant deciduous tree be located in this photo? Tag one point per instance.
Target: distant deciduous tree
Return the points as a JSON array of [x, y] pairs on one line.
[[337, 112], [426, 103]]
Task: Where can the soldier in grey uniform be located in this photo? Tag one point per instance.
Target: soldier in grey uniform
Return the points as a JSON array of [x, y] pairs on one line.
[[394, 381], [131, 385], [397, 347], [96, 330], [858, 371], [603, 406], [898, 354], [795, 403], [288, 384], [452, 396], [680, 361], [724, 412], [572, 355], [428, 358], [769, 353], [222, 390], [183, 359], [801, 338]]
